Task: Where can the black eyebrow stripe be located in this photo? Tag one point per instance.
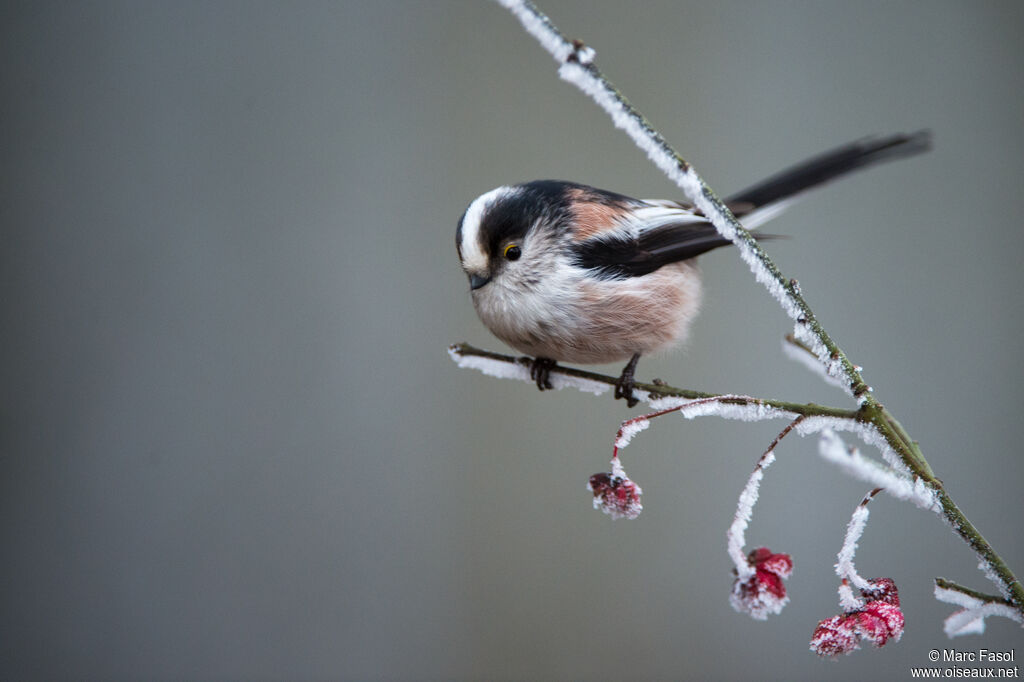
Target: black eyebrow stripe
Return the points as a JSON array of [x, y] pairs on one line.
[[510, 218]]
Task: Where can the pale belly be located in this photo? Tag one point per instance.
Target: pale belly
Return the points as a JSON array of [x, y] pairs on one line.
[[595, 322]]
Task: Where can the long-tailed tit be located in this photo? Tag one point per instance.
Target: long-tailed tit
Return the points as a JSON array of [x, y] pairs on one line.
[[569, 273]]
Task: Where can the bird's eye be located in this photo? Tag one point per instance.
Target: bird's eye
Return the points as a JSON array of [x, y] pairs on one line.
[[512, 252]]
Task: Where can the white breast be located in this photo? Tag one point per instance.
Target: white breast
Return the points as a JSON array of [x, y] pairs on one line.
[[575, 318]]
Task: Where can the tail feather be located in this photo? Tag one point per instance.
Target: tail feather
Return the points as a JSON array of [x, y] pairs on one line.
[[761, 202]]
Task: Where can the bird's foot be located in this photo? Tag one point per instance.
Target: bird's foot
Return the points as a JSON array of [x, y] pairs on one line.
[[540, 372], [625, 385]]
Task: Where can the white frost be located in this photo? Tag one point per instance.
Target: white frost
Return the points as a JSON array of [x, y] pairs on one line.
[[844, 563], [549, 39], [585, 55], [617, 469], [503, 369], [759, 606], [629, 429], [685, 178], [803, 357], [584, 76], [619, 496], [691, 184], [848, 601], [990, 573], [866, 432], [736, 535], [668, 402], [490, 366], [642, 396], [560, 381], [900, 486], [970, 620], [895, 478], [753, 410], [691, 408]]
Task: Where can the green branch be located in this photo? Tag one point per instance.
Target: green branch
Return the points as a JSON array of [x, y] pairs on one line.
[[980, 596], [577, 67], [662, 390]]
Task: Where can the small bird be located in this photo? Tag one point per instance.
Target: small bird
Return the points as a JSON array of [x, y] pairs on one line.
[[564, 272]]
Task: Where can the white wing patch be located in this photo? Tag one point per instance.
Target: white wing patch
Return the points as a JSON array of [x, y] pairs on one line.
[[654, 214]]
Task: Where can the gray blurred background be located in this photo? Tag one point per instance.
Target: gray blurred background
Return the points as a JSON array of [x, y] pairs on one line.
[[233, 444]]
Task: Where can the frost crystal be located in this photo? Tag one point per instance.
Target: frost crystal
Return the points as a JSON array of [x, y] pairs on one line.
[[584, 78], [750, 410], [877, 621], [874, 615], [801, 355], [758, 589], [585, 55], [615, 494], [897, 484], [629, 429], [490, 366], [970, 619], [504, 369], [762, 593], [576, 68], [540, 29], [990, 573], [866, 432], [736, 535], [834, 636], [844, 565]]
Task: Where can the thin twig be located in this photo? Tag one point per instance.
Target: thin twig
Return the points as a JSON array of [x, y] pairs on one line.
[[980, 596], [661, 390], [736, 535], [577, 67]]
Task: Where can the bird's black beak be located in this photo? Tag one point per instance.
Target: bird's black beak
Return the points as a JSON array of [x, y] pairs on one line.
[[476, 281]]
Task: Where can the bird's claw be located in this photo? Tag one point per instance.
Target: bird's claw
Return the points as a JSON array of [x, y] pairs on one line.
[[625, 385], [540, 372]]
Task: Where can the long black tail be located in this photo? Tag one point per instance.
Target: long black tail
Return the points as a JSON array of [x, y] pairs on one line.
[[760, 202], [629, 257]]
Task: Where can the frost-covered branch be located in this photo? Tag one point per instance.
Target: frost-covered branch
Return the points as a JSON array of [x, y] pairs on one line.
[[736, 535], [896, 483], [659, 396], [801, 353], [845, 569], [576, 65], [975, 608], [873, 616], [758, 589]]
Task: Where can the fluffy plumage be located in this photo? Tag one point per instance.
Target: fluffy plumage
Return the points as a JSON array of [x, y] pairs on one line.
[[567, 272]]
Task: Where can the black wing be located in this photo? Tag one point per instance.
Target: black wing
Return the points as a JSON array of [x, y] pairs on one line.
[[619, 257]]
